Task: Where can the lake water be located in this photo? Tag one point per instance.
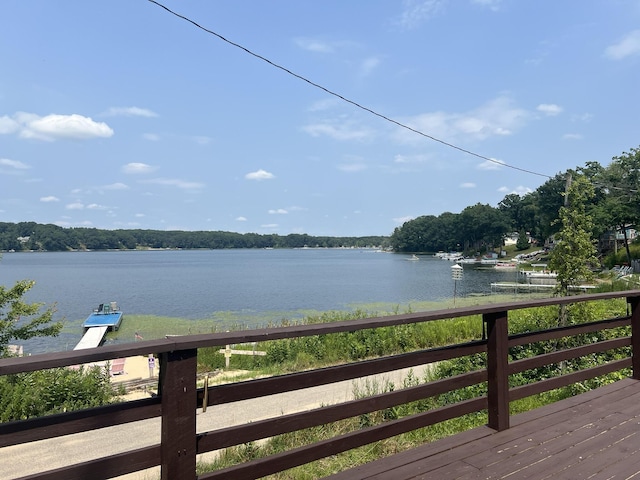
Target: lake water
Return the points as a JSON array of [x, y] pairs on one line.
[[195, 284]]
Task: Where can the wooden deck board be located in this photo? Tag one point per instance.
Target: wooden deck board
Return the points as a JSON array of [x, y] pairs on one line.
[[593, 435]]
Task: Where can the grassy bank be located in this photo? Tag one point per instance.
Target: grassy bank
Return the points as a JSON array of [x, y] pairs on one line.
[[311, 352]]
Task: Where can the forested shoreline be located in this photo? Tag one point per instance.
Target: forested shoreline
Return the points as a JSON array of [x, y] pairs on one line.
[[614, 210], [31, 236]]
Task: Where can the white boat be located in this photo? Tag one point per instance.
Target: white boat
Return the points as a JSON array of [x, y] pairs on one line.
[[469, 260], [505, 266], [451, 256], [413, 258]]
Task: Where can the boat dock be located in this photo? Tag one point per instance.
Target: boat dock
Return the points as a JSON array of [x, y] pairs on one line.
[[534, 287], [103, 319]]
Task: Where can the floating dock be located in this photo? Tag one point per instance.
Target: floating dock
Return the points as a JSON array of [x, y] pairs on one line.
[[103, 319]]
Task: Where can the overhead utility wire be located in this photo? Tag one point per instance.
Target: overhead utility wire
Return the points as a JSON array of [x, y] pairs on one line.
[[355, 104]]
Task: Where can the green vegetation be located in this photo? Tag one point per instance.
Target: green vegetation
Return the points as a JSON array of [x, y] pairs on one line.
[[318, 351], [614, 207], [574, 253], [44, 392], [20, 320], [28, 236]]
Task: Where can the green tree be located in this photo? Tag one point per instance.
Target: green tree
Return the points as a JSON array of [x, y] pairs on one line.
[[523, 240], [547, 200], [483, 227], [574, 250], [621, 182], [20, 320]]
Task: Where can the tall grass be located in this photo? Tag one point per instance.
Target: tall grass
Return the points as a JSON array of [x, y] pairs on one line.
[[294, 354]]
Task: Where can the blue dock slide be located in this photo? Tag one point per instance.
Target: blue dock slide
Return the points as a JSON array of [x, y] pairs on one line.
[[104, 318]]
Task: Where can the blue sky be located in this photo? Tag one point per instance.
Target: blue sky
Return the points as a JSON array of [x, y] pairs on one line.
[[118, 114]]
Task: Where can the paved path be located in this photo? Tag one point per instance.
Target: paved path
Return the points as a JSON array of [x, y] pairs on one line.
[[20, 460]]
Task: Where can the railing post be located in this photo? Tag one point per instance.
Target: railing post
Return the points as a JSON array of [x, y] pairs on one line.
[[177, 389], [635, 335], [497, 369]]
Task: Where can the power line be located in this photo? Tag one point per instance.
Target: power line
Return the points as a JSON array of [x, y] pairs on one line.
[[355, 104]]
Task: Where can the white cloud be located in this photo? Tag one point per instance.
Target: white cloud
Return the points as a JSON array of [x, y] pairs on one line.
[[519, 190], [583, 117], [130, 112], [136, 167], [415, 12], [491, 4], [629, 45], [8, 125], [492, 164], [95, 206], [419, 158], [115, 186], [175, 182], [368, 65], [53, 127], [343, 131], [572, 136], [75, 206], [352, 167], [401, 220], [259, 175], [241, 219], [468, 185], [313, 45], [201, 140], [152, 137], [49, 199], [279, 211], [5, 162], [498, 117], [325, 104], [549, 109]]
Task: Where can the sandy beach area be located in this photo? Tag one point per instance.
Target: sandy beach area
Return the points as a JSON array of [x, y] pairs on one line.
[[137, 368]]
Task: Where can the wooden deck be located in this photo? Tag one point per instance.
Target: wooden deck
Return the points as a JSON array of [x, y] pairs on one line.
[[592, 435]]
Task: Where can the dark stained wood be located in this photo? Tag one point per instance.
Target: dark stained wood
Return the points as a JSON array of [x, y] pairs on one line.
[[560, 332], [179, 399], [236, 435], [297, 381], [302, 455], [568, 379], [14, 433], [593, 435], [498, 369], [104, 468], [634, 303], [186, 342], [177, 392], [570, 353]]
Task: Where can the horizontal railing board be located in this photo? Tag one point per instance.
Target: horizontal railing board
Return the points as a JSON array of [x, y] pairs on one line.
[[261, 387], [236, 435], [518, 366], [291, 382], [541, 386], [104, 468], [561, 332], [299, 456], [186, 342], [23, 431]]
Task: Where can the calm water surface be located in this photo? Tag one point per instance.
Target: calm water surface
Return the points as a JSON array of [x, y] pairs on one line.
[[195, 284]]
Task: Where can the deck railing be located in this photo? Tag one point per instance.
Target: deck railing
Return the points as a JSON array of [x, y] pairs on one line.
[[178, 398]]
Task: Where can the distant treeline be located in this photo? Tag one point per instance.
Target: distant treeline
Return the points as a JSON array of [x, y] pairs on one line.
[[28, 236]]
